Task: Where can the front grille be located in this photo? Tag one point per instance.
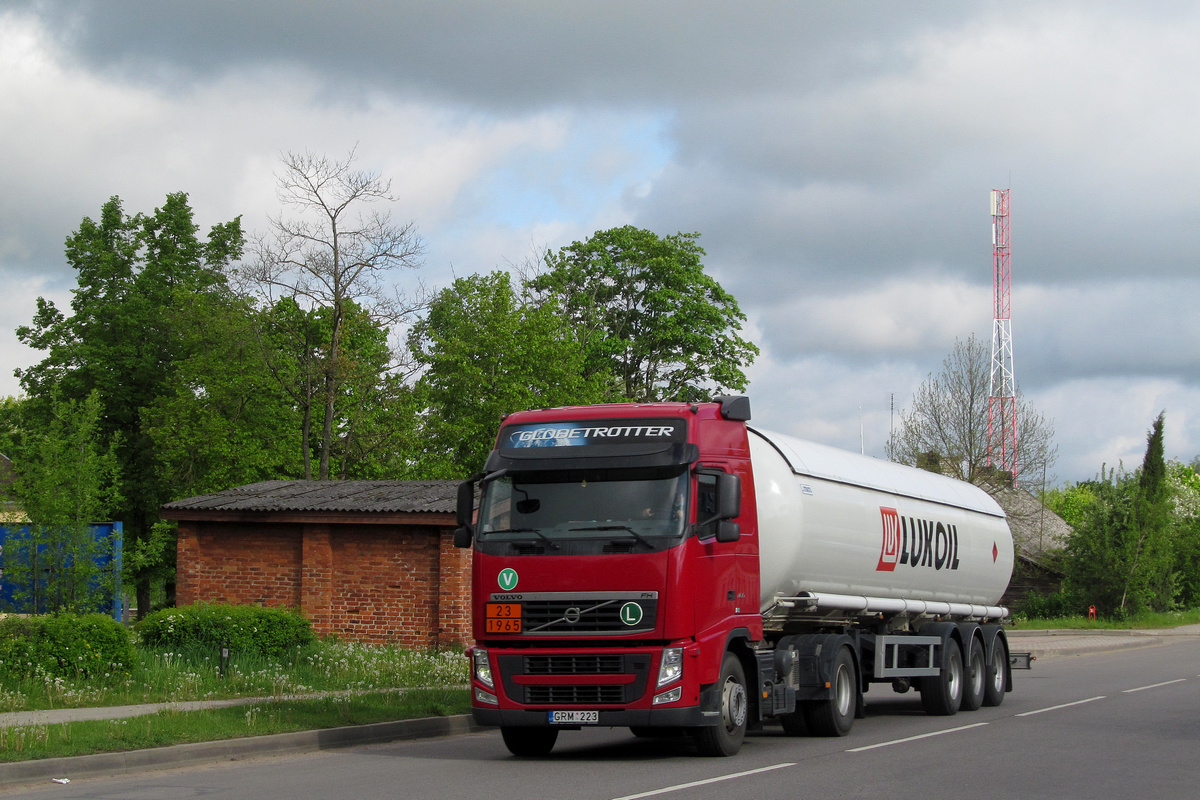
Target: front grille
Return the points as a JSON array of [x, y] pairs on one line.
[[587, 616], [574, 665], [574, 695], [529, 668]]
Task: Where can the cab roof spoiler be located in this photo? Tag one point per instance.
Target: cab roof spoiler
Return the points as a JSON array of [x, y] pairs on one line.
[[734, 407]]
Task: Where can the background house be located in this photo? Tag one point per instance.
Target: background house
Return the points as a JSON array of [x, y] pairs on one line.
[[1038, 535], [369, 561]]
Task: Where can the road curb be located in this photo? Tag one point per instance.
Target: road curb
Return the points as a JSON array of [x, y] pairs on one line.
[[1044, 645], [181, 755]]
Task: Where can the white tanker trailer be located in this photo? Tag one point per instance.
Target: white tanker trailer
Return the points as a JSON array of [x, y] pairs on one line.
[[908, 564]]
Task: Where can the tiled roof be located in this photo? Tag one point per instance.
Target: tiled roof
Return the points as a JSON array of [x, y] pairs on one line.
[[1036, 529], [437, 497]]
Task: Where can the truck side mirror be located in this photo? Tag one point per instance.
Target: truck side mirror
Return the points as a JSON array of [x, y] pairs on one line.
[[728, 531], [465, 511], [729, 496], [462, 537]]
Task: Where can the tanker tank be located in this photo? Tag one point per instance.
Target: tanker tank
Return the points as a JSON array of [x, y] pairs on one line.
[[838, 523]]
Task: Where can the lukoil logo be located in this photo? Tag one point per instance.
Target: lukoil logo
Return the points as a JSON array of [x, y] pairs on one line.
[[916, 542]]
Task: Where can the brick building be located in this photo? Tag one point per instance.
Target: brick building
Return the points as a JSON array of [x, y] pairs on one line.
[[369, 561]]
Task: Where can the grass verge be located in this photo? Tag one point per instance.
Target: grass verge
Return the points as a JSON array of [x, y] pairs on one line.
[[1149, 621], [162, 676], [166, 728]]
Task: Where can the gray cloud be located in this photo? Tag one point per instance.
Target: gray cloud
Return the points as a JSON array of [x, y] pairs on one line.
[[836, 159]]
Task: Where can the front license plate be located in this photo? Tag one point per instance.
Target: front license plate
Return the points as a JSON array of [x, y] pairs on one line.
[[574, 717]]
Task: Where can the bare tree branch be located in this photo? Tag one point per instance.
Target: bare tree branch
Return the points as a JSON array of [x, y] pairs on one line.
[[335, 252]]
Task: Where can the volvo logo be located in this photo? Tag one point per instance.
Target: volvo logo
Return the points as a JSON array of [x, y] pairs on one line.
[[571, 615]]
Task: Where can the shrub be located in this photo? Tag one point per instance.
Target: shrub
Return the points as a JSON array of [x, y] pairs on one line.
[[65, 645], [1056, 605], [245, 629]]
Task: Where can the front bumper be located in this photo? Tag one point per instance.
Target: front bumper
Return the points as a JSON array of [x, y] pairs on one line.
[[624, 718]]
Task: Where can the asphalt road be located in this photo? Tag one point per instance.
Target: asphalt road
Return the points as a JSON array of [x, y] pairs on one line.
[[1117, 724]]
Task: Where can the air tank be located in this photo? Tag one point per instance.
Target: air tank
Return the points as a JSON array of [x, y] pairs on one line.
[[835, 522]]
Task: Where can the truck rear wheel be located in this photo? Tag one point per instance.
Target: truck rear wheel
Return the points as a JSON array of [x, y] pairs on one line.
[[941, 695], [976, 683], [996, 674], [725, 738], [529, 742], [835, 716]]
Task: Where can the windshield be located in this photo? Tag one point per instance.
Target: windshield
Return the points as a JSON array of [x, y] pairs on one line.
[[554, 507]]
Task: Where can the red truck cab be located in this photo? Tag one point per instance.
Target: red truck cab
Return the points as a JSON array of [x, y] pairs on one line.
[[615, 570]]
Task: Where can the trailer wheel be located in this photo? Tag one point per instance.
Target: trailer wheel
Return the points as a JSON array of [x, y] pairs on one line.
[[941, 695], [793, 724], [976, 677], [529, 742], [835, 716], [725, 738], [994, 682]]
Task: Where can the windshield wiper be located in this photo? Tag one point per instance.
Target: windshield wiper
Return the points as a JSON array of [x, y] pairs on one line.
[[636, 535], [534, 531]]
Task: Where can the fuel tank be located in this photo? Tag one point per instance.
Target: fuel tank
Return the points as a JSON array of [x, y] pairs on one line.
[[837, 522]]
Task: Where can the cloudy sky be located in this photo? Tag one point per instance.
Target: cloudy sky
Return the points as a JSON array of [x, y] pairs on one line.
[[836, 158]]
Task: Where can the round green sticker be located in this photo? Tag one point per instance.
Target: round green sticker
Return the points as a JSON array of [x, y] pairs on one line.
[[631, 613], [507, 579]]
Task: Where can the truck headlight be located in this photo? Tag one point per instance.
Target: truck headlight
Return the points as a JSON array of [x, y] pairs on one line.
[[670, 669], [483, 667]]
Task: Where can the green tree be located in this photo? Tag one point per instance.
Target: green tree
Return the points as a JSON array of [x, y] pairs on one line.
[[947, 422], [1185, 514], [122, 338], [1071, 502], [223, 420], [336, 254], [486, 353], [1121, 556], [67, 480], [648, 315], [371, 407]]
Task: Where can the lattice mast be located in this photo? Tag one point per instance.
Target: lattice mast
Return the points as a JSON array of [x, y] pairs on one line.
[[1002, 393]]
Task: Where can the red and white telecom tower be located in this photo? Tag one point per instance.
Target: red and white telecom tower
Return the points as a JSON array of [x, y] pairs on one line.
[[1002, 394]]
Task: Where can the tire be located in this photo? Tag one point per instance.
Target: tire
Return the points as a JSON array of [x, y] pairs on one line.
[[647, 732], [529, 742], [835, 716], [725, 738], [996, 674], [941, 695], [975, 685], [793, 724]]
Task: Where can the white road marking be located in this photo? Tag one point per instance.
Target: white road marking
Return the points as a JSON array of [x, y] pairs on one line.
[[1064, 705], [914, 738], [1155, 685], [680, 786]]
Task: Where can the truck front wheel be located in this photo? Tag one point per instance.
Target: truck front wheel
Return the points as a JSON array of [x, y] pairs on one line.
[[835, 716], [529, 742], [725, 738]]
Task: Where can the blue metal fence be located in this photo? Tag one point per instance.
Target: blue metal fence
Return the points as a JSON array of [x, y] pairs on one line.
[[106, 561]]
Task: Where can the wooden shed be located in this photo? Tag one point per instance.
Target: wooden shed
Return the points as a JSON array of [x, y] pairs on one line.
[[369, 561]]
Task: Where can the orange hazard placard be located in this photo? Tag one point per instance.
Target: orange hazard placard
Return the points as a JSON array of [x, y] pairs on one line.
[[503, 618]]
